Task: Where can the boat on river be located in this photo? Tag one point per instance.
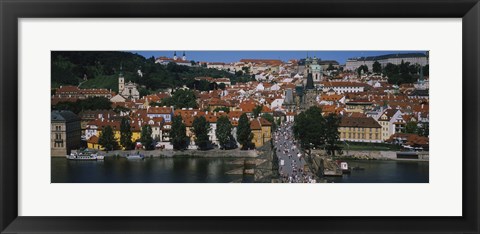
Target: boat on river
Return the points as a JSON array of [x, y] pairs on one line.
[[135, 157], [85, 155]]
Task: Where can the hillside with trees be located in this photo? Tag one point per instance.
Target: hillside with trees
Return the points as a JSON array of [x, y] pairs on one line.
[[100, 69]]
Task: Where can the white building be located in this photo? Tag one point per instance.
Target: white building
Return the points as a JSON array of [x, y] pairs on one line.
[[343, 87], [179, 61], [413, 58], [388, 120], [129, 90]]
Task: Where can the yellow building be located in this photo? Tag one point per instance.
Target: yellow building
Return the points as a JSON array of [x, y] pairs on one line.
[[92, 143], [360, 129], [261, 129], [266, 130], [136, 133]]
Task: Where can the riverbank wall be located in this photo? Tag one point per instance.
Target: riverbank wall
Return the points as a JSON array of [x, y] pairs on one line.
[[265, 172], [374, 155], [214, 153]]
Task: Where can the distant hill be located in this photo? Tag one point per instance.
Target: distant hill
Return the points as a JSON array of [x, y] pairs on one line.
[[100, 69]]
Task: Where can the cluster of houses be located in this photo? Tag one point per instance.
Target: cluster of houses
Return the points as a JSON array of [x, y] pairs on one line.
[[371, 109]]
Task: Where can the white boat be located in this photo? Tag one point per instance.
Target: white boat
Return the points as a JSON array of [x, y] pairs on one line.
[[85, 155], [75, 156], [135, 156]]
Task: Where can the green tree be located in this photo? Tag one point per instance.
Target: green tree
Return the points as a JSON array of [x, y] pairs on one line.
[[224, 131], [309, 127], [257, 110], [95, 103], [146, 137], [126, 134], [202, 85], [201, 128], [221, 86], [426, 70], [330, 67], [411, 127], [390, 69], [423, 130], [244, 133], [107, 139], [239, 73], [362, 68], [332, 136], [377, 67], [181, 99], [63, 71], [178, 133], [224, 109]]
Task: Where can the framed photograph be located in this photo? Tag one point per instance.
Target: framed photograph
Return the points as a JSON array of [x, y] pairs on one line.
[[224, 116]]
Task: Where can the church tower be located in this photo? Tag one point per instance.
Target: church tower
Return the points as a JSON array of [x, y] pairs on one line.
[[184, 58], [121, 81], [316, 70], [175, 55], [310, 93]]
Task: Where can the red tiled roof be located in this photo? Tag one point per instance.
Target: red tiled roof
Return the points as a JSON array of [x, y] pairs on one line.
[[359, 122], [255, 125]]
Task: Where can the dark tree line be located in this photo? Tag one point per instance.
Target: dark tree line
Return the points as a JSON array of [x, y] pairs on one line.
[[317, 132], [94, 103], [404, 72]]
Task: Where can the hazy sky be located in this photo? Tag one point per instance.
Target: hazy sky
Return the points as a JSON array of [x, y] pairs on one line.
[[234, 56]]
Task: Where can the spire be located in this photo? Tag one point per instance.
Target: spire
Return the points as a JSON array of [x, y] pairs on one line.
[[309, 82]]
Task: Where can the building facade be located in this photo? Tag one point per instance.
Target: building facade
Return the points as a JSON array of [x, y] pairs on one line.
[[413, 58], [128, 90], [388, 120], [65, 133], [360, 129]]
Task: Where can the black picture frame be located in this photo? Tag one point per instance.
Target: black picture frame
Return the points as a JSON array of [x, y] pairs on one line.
[[11, 11]]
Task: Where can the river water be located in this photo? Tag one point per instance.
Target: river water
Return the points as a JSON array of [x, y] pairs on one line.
[[214, 170], [383, 171], [149, 170]]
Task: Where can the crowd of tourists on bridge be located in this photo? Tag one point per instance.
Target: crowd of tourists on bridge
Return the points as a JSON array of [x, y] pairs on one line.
[[292, 165]]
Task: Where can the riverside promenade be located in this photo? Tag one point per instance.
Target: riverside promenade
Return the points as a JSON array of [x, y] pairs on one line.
[[168, 153]]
